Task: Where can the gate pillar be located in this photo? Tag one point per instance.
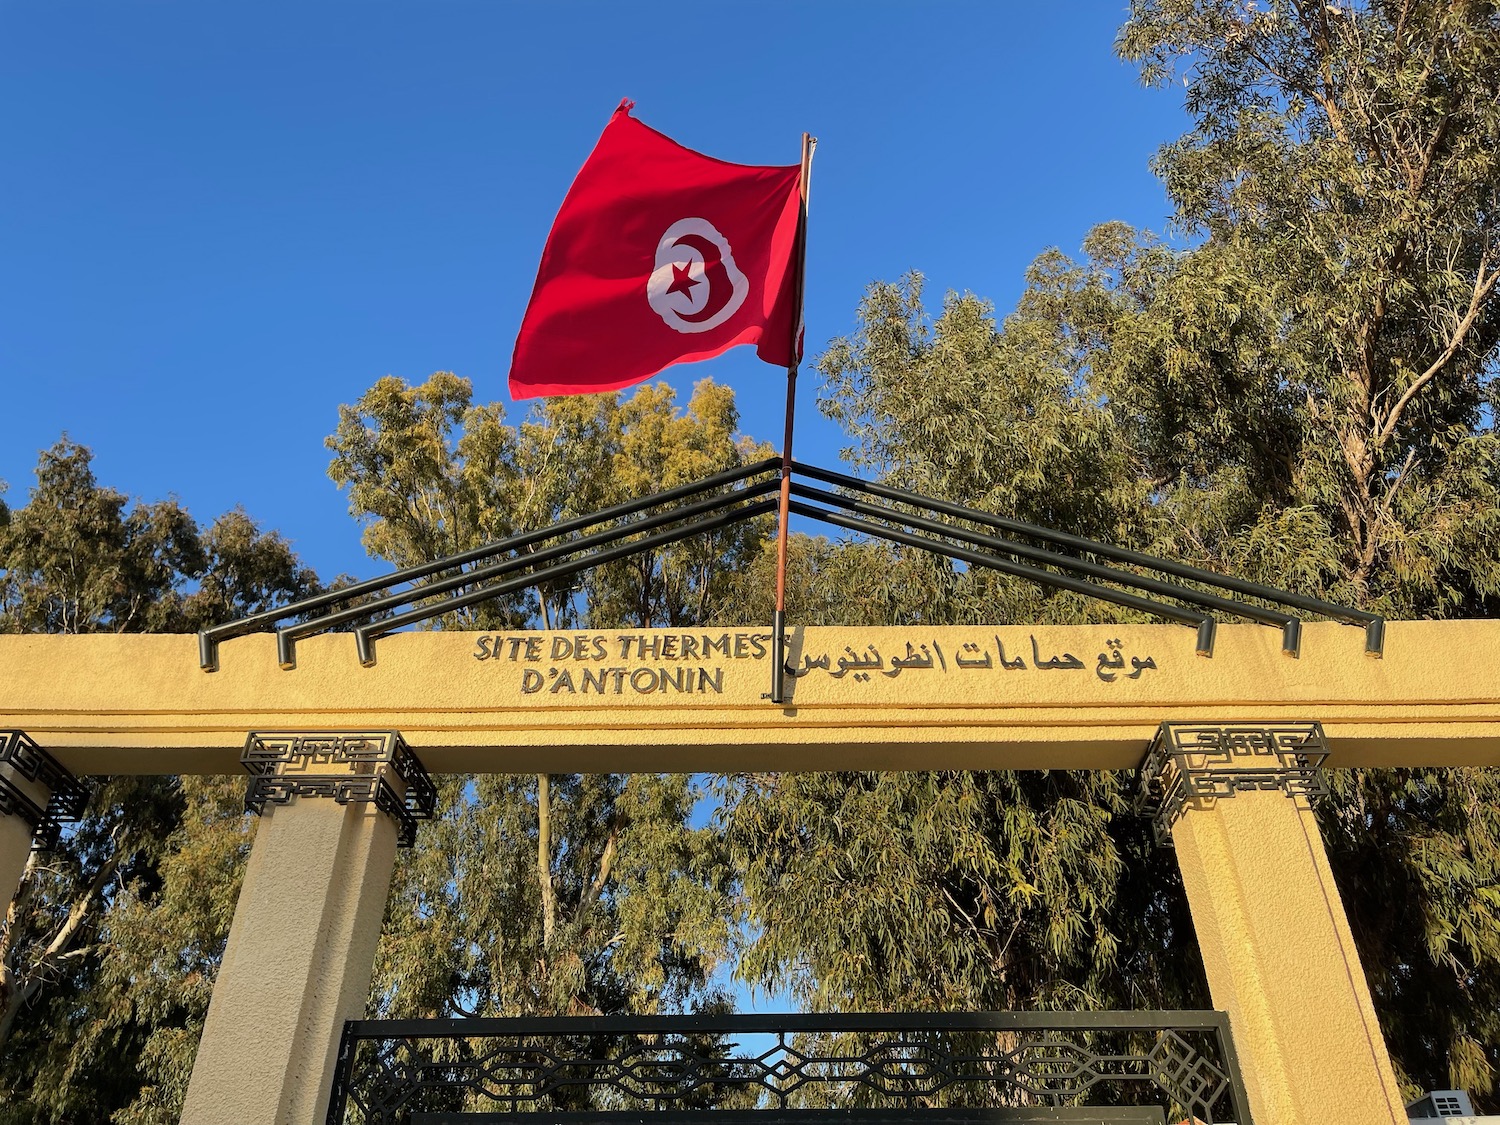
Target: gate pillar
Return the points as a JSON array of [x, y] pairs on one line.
[[15, 846], [36, 796], [301, 948], [1234, 801]]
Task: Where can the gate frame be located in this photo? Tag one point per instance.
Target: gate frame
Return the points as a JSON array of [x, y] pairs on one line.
[[759, 1074]]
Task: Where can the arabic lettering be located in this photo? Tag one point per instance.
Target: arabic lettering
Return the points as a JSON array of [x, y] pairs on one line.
[[1113, 663], [982, 661], [1016, 665], [971, 657], [808, 664], [900, 664], [1066, 660], [856, 663]]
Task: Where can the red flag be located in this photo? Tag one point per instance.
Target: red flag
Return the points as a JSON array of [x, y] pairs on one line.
[[658, 256]]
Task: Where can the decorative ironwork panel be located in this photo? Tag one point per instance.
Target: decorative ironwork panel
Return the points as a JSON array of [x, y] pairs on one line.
[[281, 767], [265, 753], [66, 799], [1194, 761], [683, 1067]]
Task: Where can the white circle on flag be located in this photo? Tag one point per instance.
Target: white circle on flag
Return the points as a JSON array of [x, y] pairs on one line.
[[695, 286]]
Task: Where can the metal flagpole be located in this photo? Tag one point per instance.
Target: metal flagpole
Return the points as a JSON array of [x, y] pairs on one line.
[[778, 620]]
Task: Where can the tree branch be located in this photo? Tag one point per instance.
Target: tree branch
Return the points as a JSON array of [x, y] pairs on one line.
[[23, 986], [606, 869], [1372, 541], [81, 906], [544, 857], [1483, 287]]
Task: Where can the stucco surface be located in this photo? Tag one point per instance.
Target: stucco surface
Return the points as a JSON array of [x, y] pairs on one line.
[[1281, 963], [15, 836], [140, 703], [297, 964], [1279, 956], [15, 846]]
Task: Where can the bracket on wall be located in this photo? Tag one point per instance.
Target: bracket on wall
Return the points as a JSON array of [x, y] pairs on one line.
[[1189, 762], [281, 767], [1052, 559], [66, 799]]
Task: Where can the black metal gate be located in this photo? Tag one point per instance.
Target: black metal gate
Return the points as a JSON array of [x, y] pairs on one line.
[[1126, 1068]]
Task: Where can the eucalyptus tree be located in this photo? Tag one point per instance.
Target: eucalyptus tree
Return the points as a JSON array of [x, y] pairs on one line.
[[429, 474], [1344, 168], [551, 893], [1343, 178], [1301, 392], [83, 1022]]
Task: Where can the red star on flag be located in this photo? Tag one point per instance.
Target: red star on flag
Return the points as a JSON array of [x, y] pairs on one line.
[[682, 279]]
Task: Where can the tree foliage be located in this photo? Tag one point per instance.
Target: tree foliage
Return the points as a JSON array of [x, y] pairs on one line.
[[556, 895], [1300, 389], [1303, 395], [108, 950], [82, 558], [551, 893], [957, 891], [430, 474], [1344, 172]]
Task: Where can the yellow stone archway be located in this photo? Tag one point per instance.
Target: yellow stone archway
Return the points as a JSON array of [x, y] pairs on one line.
[[1274, 937]]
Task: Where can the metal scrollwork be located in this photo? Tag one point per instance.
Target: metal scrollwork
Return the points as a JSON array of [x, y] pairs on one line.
[[66, 799], [1194, 761], [779, 1069], [282, 766]]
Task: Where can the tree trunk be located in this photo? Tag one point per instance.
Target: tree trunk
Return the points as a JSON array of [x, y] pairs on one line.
[[544, 857]]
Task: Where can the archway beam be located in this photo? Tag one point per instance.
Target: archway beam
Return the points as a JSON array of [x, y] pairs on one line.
[[472, 702]]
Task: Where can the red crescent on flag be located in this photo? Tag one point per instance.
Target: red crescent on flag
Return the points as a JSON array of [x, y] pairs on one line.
[[720, 288]]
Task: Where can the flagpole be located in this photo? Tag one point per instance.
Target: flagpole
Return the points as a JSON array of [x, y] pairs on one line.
[[778, 620]]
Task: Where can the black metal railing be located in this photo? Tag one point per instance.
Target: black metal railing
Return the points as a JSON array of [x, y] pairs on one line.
[[770, 1069], [505, 566], [1056, 560], [1050, 565]]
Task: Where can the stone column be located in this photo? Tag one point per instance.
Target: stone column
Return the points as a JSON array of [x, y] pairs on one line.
[[1234, 800], [36, 796], [334, 808]]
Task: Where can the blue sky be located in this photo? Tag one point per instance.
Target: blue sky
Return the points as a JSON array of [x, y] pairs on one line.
[[220, 221]]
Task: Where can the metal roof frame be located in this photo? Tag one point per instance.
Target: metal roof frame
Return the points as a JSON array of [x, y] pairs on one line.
[[1162, 588]]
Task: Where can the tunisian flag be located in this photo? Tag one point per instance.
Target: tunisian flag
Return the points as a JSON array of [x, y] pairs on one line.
[[659, 255]]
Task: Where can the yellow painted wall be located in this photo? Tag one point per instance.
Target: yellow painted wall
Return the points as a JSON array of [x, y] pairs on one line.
[[121, 704]]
